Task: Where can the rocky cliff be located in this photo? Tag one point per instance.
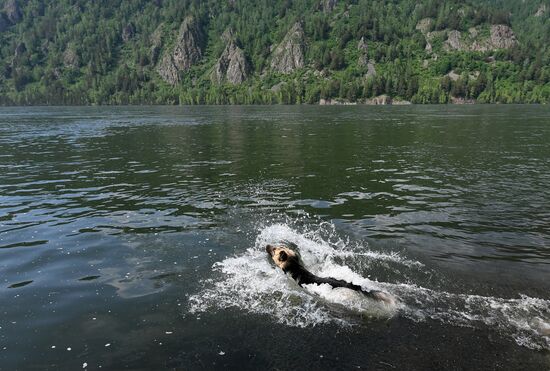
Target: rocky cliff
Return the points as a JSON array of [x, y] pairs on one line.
[[363, 48], [371, 69], [186, 52], [501, 37], [232, 65], [454, 41], [363, 59], [289, 54]]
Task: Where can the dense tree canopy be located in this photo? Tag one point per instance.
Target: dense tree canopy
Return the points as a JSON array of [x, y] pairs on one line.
[[429, 51]]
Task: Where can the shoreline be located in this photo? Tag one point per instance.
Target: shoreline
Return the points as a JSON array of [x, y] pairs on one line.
[[329, 102]]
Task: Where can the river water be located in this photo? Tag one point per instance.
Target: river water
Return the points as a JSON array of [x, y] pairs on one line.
[[134, 237]]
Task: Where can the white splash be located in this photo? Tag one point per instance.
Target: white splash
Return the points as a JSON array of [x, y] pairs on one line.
[[251, 283]]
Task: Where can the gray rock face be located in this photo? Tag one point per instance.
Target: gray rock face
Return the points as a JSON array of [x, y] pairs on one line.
[[541, 10], [379, 100], [186, 52], [371, 70], [188, 49], [453, 75], [289, 54], [71, 59], [13, 11], [424, 25], [336, 102], [232, 66], [277, 87], [168, 70], [454, 41], [328, 5], [228, 36], [363, 48], [128, 32], [428, 47], [502, 37]]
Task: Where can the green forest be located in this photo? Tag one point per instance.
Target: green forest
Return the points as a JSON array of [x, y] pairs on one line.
[[82, 52]]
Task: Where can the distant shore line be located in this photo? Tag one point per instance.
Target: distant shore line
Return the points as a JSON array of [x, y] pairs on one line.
[[325, 103], [381, 100], [385, 100]]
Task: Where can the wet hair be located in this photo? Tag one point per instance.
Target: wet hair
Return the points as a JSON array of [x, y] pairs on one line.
[[289, 261], [284, 257]]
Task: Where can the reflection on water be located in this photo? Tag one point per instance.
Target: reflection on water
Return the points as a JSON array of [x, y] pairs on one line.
[[139, 217]]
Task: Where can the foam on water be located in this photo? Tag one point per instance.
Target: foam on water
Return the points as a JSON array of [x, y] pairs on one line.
[[251, 283]]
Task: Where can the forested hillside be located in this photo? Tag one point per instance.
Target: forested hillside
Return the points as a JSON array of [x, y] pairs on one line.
[[274, 51]]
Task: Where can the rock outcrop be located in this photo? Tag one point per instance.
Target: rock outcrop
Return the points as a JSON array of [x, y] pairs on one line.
[[428, 48], [363, 48], [431, 36], [541, 10], [396, 102], [228, 36], [454, 41], [336, 102], [13, 11], [501, 37], [289, 54], [371, 70], [186, 52], [278, 87], [460, 100], [70, 58], [128, 32], [424, 25], [379, 100], [168, 70], [453, 75], [232, 65], [328, 6]]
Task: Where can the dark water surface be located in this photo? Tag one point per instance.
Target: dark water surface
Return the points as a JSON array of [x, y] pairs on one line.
[[134, 237]]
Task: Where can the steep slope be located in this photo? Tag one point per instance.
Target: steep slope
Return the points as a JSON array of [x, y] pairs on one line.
[[186, 52], [288, 56], [279, 51]]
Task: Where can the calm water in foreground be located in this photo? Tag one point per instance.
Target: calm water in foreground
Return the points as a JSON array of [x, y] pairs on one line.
[[134, 237]]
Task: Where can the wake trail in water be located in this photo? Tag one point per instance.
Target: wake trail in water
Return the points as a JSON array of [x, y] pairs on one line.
[[251, 283]]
